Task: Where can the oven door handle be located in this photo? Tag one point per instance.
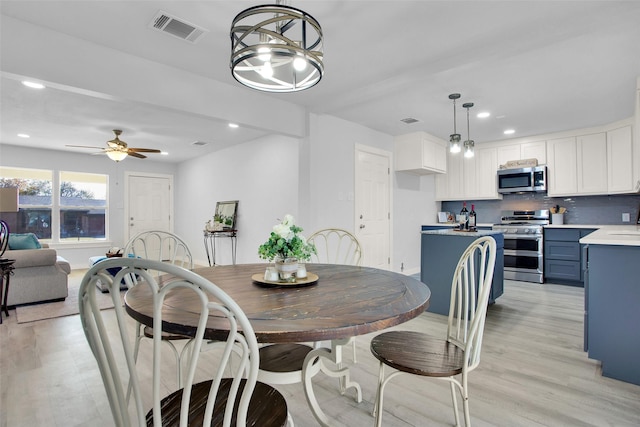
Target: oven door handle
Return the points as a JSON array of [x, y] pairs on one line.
[[520, 237]]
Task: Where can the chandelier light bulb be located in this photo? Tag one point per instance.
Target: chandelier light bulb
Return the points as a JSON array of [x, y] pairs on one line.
[[264, 54], [266, 71], [300, 64]]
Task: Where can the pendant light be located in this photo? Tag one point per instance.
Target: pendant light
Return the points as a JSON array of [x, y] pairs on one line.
[[454, 138], [469, 143], [276, 48]]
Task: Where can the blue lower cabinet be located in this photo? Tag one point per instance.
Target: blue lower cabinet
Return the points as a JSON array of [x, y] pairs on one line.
[[613, 310], [439, 256]]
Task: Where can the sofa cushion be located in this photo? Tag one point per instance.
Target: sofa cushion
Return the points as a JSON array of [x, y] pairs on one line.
[[23, 241]]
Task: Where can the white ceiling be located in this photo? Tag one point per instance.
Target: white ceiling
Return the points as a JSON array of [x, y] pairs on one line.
[[537, 66]]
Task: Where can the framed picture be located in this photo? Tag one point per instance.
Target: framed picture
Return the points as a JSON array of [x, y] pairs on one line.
[[226, 213]]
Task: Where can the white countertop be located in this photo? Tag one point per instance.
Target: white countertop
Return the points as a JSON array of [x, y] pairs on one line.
[[576, 226], [622, 235]]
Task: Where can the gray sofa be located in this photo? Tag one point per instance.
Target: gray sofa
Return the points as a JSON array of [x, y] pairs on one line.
[[39, 275]]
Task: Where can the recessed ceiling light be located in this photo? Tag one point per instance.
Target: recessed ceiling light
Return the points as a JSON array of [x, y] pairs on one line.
[[164, 153], [33, 85], [23, 135], [233, 125], [483, 115], [509, 131]]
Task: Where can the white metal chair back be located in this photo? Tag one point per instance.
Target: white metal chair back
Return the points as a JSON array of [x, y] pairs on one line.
[[114, 350], [336, 246], [470, 290], [160, 246]]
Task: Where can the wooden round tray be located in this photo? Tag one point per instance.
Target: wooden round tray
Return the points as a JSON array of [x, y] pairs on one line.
[[311, 279]]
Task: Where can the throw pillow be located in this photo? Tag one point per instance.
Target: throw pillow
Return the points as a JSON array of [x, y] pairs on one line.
[[23, 241]]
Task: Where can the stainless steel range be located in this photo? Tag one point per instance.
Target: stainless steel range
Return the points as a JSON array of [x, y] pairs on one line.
[[523, 244]]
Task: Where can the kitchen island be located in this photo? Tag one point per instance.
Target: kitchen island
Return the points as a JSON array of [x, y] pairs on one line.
[[612, 300], [440, 251]]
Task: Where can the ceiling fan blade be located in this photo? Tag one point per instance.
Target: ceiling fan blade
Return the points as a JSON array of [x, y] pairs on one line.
[[143, 150], [85, 146], [138, 155]]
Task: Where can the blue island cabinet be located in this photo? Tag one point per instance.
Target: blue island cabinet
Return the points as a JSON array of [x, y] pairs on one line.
[[613, 310], [440, 252]]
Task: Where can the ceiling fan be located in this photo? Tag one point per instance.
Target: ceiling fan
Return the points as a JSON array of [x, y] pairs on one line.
[[118, 150]]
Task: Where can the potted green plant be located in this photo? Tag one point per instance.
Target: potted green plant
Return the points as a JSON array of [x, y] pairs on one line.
[[286, 247]]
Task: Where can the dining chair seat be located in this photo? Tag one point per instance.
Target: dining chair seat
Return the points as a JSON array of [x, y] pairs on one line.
[[257, 414], [418, 353], [166, 336]]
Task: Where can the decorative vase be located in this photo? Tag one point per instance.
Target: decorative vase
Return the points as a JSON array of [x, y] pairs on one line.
[[287, 269]]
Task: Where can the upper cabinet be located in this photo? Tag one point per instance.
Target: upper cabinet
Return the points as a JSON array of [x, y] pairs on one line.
[[562, 177], [420, 153], [470, 178], [525, 150], [592, 164], [620, 155]]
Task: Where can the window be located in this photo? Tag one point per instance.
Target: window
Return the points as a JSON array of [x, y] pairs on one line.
[[83, 204], [35, 200], [63, 207]]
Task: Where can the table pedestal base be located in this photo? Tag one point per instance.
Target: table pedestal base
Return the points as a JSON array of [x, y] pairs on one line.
[[334, 355]]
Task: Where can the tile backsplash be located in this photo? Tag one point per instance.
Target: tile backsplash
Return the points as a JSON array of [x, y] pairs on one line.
[[596, 210]]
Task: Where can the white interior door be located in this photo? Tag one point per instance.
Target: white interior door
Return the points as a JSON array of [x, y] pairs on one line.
[[149, 204], [373, 206]]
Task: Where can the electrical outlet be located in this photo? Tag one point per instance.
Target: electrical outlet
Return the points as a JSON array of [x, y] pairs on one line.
[[626, 217]]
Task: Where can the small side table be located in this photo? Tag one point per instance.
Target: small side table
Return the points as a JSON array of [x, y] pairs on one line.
[[210, 244], [6, 267]]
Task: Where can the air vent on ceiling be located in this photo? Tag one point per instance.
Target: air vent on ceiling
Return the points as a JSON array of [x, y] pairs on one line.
[[409, 120], [199, 143], [177, 27]]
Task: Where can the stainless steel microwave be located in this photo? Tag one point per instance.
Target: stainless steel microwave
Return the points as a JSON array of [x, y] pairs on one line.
[[523, 180]]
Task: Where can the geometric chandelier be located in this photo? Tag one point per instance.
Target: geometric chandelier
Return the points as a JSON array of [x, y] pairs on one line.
[[276, 48]]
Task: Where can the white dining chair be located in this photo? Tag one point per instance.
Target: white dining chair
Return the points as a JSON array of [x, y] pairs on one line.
[[410, 352], [169, 248], [282, 363], [221, 400]]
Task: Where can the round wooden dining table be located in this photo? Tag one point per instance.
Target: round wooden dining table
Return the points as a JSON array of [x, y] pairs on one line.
[[344, 302]]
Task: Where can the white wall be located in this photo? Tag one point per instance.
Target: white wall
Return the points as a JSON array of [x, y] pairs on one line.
[[78, 255], [261, 174]]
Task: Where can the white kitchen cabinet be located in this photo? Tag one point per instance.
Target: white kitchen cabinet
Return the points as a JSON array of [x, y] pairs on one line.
[[486, 166], [469, 178], [619, 161], [562, 167], [508, 153], [524, 150], [591, 151], [534, 150], [420, 153]]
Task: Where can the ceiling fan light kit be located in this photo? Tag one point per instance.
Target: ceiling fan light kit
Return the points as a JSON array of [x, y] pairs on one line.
[[118, 150], [276, 48], [117, 155]]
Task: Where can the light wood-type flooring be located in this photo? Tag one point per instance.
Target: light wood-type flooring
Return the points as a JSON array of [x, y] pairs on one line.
[[533, 372]]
